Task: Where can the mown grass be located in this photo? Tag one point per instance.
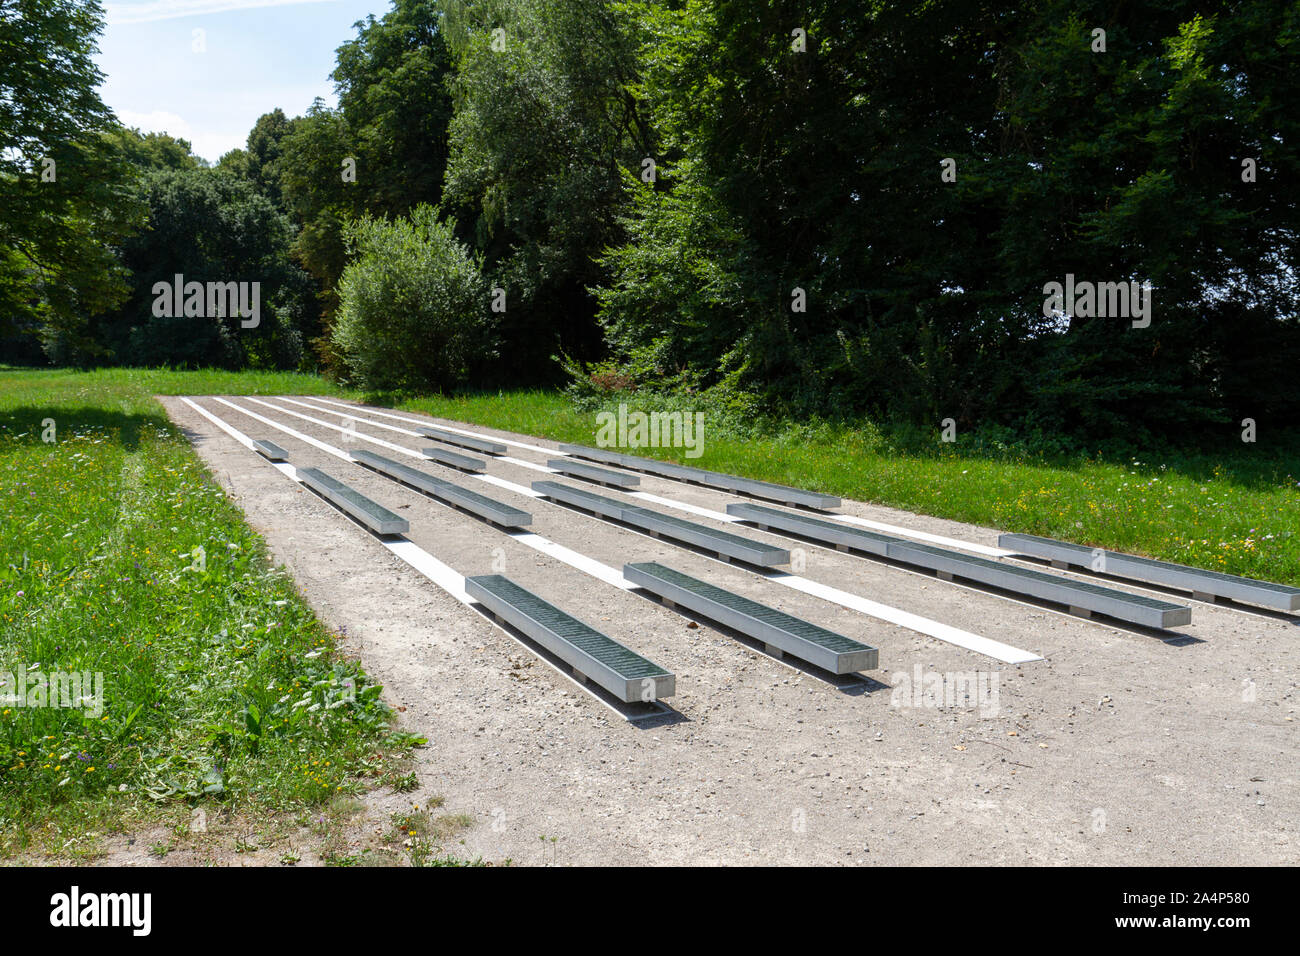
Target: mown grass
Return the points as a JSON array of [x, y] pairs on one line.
[[1236, 510], [109, 384], [220, 687]]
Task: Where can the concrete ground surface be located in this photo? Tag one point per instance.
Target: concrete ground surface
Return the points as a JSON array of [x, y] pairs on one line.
[[1120, 746]]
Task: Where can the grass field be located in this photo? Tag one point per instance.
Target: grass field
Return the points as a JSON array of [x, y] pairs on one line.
[[121, 557]]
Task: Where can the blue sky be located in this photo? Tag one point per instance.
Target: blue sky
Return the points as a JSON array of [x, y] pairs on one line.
[[259, 54]]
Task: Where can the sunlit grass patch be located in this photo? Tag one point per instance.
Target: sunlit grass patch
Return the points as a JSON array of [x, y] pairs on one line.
[[424, 836], [121, 557]]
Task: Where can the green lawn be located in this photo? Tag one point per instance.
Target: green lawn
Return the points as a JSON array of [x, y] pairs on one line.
[[219, 686]]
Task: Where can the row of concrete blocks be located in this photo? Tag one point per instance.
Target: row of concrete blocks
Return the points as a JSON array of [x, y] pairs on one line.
[[591, 654]]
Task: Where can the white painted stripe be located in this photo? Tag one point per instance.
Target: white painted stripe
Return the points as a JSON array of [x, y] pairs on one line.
[[508, 485], [315, 442], [572, 558], [526, 464], [683, 506], [951, 635], [922, 535], [422, 561], [438, 424], [915, 622], [233, 432], [340, 428], [355, 418], [433, 569]]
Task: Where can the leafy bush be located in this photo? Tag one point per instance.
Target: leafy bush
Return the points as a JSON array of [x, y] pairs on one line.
[[413, 304]]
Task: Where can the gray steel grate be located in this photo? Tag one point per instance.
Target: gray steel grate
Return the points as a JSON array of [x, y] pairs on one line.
[[455, 459], [810, 527], [626, 663], [715, 479], [581, 497], [790, 634], [760, 612], [269, 450], [1082, 594], [481, 505], [579, 470], [723, 542], [1197, 580], [464, 441], [371, 513]]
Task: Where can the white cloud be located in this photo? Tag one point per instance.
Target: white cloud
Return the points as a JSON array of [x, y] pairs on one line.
[[211, 146], [159, 121], [169, 9]]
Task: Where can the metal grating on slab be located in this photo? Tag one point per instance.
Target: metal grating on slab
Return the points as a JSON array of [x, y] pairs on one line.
[[484, 445], [579, 470], [1215, 583], [714, 479], [270, 450], [581, 498], [722, 543], [825, 531], [1121, 605], [597, 454], [481, 505], [599, 658], [455, 459], [370, 513], [792, 635]]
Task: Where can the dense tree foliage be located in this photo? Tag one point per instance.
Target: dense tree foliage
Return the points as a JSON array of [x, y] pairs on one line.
[[822, 170], [209, 226], [382, 152], [823, 207], [64, 194], [546, 122], [260, 162]]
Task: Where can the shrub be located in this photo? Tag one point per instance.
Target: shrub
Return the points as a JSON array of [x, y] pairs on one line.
[[413, 305]]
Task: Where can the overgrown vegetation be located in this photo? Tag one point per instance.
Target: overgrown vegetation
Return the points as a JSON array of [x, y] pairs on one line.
[[121, 557], [414, 310]]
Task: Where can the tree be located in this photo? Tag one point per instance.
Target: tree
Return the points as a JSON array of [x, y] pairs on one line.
[[545, 125], [209, 226], [64, 186], [381, 153], [144, 151], [811, 162]]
